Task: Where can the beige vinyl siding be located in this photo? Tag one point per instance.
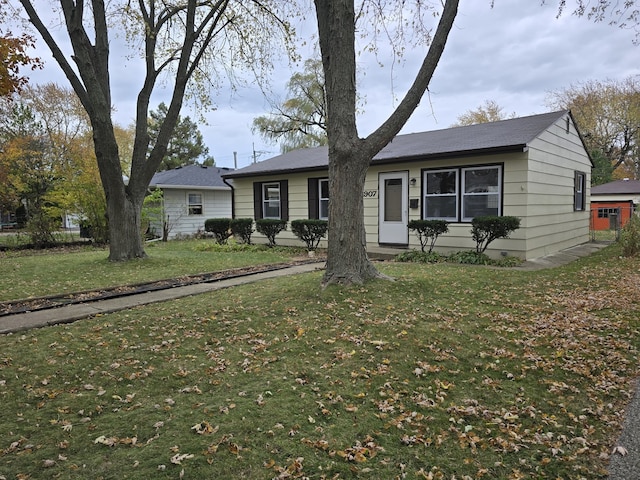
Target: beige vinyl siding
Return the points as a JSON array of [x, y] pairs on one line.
[[298, 203], [215, 204], [552, 224], [459, 235]]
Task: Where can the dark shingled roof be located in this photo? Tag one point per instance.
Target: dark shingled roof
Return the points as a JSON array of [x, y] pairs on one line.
[[619, 187], [503, 136], [191, 176]]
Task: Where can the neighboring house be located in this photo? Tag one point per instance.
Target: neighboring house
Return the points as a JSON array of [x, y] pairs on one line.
[[191, 194], [535, 168], [613, 203]]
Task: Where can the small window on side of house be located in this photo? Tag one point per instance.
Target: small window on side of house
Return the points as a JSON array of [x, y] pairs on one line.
[[194, 203], [579, 191]]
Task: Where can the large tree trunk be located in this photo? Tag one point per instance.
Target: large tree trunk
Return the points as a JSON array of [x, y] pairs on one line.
[[350, 156], [347, 260], [125, 237]]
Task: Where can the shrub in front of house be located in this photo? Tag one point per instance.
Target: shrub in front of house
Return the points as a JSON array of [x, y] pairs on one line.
[[630, 237], [242, 228], [270, 227], [428, 231], [416, 256], [486, 229], [220, 228], [470, 257], [310, 231]]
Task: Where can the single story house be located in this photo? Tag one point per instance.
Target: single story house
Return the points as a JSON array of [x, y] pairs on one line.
[[535, 168], [192, 194], [613, 203]]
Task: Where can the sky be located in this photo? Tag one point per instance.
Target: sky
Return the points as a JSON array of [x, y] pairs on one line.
[[514, 54]]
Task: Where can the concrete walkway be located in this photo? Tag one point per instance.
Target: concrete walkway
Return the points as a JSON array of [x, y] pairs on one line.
[[70, 313], [67, 314]]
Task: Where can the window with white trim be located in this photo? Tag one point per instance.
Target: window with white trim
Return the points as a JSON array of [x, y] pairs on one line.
[[271, 200], [463, 193], [194, 203], [441, 194], [480, 192], [579, 195], [323, 198]]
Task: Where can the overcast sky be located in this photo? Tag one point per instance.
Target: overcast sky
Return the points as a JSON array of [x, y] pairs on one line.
[[514, 53]]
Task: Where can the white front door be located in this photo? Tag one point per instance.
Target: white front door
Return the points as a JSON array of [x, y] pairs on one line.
[[393, 208]]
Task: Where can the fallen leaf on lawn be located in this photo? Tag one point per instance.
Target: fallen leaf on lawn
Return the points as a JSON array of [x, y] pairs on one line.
[[179, 457], [204, 428], [620, 450]]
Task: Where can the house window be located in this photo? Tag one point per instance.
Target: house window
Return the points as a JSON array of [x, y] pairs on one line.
[[605, 212], [579, 194], [323, 200], [480, 192], [194, 203], [441, 194], [318, 198], [460, 194], [271, 200]]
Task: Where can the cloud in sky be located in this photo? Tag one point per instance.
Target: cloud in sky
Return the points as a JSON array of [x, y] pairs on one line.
[[514, 53]]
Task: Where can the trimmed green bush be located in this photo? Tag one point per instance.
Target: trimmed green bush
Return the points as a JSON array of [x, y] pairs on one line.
[[428, 231], [310, 231], [420, 257], [486, 229], [270, 227], [242, 228], [630, 237], [469, 257], [220, 227]]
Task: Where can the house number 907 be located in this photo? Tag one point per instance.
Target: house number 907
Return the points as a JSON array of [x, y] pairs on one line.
[[370, 193]]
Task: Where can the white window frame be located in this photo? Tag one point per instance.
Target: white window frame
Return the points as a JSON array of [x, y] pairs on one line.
[[579, 193], [270, 202], [323, 200], [440, 195], [497, 193], [194, 205]]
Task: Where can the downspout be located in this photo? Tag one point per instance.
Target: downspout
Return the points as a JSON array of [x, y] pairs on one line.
[[233, 197]]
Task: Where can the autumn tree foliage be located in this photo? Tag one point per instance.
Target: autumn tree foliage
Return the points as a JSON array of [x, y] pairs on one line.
[[489, 111], [184, 47], [608, 115]]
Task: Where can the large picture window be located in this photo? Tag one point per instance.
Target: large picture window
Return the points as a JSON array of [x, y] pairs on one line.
[[194, 203], [460, 194]]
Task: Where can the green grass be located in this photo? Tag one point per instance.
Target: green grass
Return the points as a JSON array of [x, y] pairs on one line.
[[450, 371], [27, 274]]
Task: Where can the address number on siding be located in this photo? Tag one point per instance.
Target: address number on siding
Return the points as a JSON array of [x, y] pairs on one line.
[[370, 193]]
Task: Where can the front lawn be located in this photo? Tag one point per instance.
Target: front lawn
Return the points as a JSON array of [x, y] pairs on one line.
[[36, 273], [451, 371]]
